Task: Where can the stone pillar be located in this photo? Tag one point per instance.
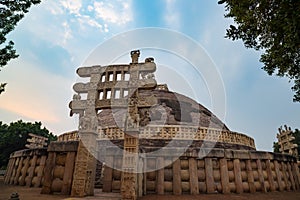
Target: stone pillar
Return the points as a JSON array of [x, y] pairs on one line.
[[160, 176], [31, 171], [224, 176], [177, 177], [209, 177], [85, 166], [284, 172], [129, 180], [9, 170], [270, 176], [297, 175], [17, 174], [48, 176], [26, 165], [40, 171], [107, 177], [291, 176], [252, 188], [140, 178], [69, 168], [14, 171], [237, 176], [278, 175], [145, 177], [261, 176], [194, 186]]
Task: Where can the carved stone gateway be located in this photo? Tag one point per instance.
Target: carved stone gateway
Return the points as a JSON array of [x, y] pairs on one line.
[[286, 141], [109, 88], [36, 141]]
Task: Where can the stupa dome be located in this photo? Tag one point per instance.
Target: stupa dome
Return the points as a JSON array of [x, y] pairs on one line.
[[171, 109]]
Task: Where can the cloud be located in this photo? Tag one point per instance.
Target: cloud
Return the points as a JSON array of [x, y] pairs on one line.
[[73, 6], [67, 34], [111, 13], [68, 21], [172, 16]]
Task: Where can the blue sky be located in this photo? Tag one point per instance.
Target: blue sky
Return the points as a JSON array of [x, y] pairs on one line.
[[56, 37]]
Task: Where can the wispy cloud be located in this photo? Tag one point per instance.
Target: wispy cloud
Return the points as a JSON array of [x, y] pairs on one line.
[[111, 13], [80, 18], [172, 16], [73, 6], [67, 33]]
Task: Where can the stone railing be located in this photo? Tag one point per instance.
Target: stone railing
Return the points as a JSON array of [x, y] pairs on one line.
[[26, 167], [59, 168], [69, 136], [177, 132], [170, 132], [209, 171]]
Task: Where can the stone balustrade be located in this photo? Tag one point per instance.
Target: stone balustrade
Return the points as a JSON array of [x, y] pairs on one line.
[[26, 167], [178, 132], [68, 136], [210, 171]]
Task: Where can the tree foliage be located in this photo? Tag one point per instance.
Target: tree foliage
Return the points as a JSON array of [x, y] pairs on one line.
[[13, 137], [11, 12], [272, 26], [276, 147]]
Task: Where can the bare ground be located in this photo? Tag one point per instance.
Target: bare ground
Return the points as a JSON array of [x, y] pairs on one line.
[[27, 193]]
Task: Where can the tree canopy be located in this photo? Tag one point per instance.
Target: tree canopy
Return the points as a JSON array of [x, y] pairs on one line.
[[11, 12], [13, 137], [273, 27]]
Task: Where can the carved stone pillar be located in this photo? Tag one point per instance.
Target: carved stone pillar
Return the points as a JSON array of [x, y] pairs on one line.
[[224, 176], [85, 167]]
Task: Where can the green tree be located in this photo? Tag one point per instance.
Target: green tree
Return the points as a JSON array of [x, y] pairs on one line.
[[273, 27], [11, 12], [276, 147], [13, 137]]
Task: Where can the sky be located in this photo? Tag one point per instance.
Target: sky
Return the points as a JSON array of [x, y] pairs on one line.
[[56, 37]]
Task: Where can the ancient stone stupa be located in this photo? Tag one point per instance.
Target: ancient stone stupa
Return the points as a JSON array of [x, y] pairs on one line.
[[136, 137]]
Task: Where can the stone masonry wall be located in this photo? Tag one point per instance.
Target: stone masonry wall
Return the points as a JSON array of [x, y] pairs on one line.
[[26, 167], [60, 167], [218, 171]]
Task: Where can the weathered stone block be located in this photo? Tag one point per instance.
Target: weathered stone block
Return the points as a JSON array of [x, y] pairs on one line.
[[262, 155], [63, 146]]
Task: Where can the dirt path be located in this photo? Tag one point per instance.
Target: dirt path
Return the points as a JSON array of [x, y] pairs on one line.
[[256, 196], [27, 193]]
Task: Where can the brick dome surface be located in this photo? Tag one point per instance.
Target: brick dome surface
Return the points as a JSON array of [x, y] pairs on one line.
[[171, 109]]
